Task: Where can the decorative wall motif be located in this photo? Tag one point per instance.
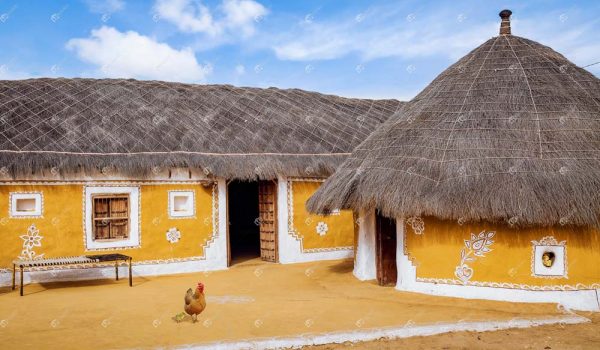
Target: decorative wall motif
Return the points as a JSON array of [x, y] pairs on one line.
[[173, 235], [292, 231], [475, 247], [549, 258], [417, 224], [30, 240], [322, 228]]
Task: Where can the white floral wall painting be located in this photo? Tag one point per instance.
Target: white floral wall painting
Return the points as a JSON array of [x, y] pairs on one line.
[[322, 228], [173, 235], [549, 258], [30, 240], [417, 224], [476, 247]]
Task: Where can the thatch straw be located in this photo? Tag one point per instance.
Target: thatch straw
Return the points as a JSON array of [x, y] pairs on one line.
[[132, 127], [511, 132]]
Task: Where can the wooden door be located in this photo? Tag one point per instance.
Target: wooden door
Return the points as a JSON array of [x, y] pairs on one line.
[[267, 209], [385, 238]]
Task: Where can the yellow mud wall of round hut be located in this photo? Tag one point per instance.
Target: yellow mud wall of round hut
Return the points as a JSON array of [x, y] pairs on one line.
[[440, 250], [61, 225], [318, 232]]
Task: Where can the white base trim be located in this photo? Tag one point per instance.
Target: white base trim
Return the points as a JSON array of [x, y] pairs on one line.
[[583, 300], [387, 333], [290, 249]]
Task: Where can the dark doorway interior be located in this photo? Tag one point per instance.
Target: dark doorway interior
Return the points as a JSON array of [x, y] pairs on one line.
[[244, 228], [385, 238]]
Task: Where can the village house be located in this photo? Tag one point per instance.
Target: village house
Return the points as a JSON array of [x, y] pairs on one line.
[[179, 177], [486, 184]]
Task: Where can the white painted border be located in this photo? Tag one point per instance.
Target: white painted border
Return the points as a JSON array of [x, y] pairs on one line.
[[584, 300], [190, 213], [134, 240], [13, 213], [386, 333], [290, 248]]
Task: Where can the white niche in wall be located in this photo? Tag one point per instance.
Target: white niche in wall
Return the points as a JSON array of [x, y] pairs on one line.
[[549, 258], [182, 204], [26, 204]]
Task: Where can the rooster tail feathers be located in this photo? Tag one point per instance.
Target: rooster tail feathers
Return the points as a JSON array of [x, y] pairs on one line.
[[189, 295]]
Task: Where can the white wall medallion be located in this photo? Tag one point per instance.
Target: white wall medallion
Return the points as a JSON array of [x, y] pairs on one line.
[[475, 247], [173, 235], [549, 258], [417, 224], [30, 240], [322, 228]]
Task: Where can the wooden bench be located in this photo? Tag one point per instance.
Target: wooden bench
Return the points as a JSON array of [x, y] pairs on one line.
[[83, 259]]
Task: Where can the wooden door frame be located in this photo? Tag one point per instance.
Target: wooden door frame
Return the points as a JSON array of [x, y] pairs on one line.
[[379, 248], [275, 217], [276, 221], [228, 240]]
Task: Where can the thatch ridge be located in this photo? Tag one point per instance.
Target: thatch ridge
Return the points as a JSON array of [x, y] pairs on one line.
[[509, 133], [132, 127]]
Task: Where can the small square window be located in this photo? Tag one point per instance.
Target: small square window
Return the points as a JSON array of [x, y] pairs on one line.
[[181, 204], [549, 258], [26, 204]]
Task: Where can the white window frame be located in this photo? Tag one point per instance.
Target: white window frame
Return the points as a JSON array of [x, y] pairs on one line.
[[558, 269], [191, 207], [134, 217], [39, 204]]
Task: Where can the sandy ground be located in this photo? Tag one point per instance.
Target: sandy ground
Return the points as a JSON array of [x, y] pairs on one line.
[[251, 300], [578, 336]]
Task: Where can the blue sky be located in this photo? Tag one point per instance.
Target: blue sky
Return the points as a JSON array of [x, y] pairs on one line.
[[372, 49]]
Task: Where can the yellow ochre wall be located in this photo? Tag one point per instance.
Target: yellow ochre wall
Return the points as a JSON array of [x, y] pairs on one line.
[[340, 228], [437, 252], [62, 223]]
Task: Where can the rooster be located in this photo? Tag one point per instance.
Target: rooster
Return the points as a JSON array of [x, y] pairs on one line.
[[195, 302]]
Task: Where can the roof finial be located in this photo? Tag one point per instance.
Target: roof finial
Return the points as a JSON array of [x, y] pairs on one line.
[[505, 24]]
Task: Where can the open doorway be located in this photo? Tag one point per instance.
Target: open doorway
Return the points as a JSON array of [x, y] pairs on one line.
[[244, 229], [385, 237], [252, 210]]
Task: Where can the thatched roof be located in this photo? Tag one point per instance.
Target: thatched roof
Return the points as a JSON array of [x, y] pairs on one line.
[[509, 133], [134, 126]]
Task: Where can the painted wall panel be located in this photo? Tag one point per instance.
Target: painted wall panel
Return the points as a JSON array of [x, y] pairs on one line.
[[61, 226], [439, 253], [317, 232]]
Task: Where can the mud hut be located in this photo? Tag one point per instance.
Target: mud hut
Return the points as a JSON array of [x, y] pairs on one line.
[[180, 177], [484, 182]]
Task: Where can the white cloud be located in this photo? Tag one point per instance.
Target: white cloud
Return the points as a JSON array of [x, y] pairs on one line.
[[386, 32], [188, 16], [105, 6], [131, 55], [242, 15], [8, 73], [240, 69], [380, 34], [236, 17]]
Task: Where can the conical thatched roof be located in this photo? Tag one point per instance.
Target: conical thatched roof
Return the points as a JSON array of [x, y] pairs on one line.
[[510, 132], [134, 126]]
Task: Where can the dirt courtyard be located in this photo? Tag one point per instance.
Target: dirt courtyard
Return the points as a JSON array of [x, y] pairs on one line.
[[250, 301]]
